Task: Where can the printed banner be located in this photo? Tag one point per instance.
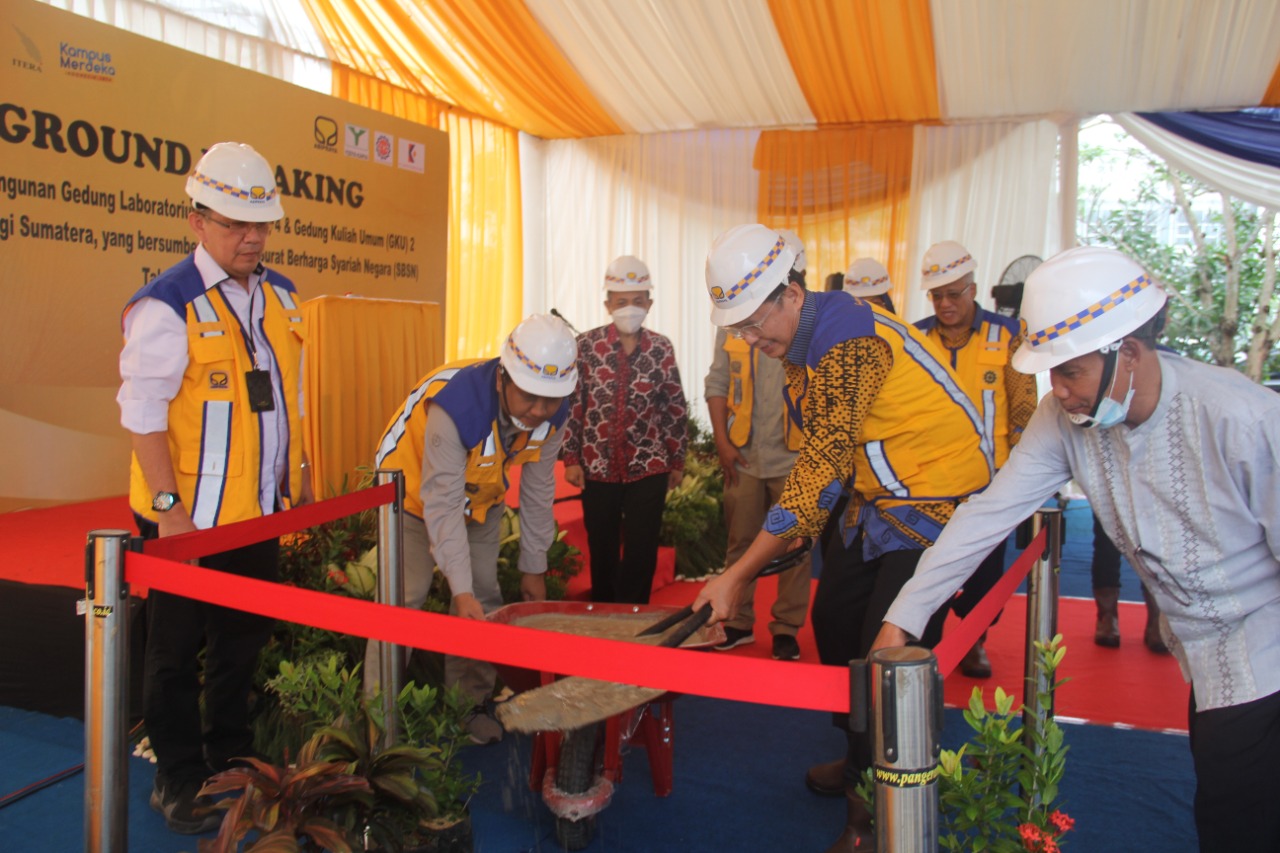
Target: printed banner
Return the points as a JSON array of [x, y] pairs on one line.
[[98, 130]]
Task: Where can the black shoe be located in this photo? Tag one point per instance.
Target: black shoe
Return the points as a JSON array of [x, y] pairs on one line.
[[184, 811], [785, 647], [734, 637]]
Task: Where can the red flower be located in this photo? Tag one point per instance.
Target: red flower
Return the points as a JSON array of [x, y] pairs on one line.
[[1061, 821], [1031, 836]]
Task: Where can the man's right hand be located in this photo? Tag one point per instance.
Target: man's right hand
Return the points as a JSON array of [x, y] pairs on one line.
[[175, 522], [467, 606], [574, 476], [730, 458]]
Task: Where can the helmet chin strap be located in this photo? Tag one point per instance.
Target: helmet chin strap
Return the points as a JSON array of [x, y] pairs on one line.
[[506, 409], [1110, 355]]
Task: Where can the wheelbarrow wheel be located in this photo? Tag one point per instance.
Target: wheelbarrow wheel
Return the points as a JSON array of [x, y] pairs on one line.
[[575, 774]]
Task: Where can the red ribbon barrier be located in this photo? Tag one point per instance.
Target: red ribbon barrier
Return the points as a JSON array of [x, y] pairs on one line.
[[957, 643], [201, 543], [793, 685], [789, 685]]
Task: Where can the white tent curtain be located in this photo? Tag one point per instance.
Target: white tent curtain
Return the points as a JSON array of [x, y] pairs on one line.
[[1137, 55], [1252, 182], [666, 64], [660, 197], [990, 186], [273, 37]]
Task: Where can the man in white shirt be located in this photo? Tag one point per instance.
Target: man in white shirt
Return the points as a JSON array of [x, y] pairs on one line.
[[211, 392], [1181, 462]]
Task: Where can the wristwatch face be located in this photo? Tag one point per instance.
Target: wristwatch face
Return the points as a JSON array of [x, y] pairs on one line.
[[163, 501]]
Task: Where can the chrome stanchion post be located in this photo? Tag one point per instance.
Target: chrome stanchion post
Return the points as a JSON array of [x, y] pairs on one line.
[[391, 660], [906, 719], [106, 694], [1042, 623]]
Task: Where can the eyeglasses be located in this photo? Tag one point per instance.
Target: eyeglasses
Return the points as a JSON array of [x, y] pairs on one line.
[[241, 229], [948, 295], [755, 329]]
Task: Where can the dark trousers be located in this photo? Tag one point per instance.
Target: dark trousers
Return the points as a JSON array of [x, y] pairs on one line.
[[1105, 570], [984, 577], [177, 629], [849, 606], [623, 521], [1235, 751]]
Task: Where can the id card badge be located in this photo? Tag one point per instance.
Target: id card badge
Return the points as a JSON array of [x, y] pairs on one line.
[[258, 383]]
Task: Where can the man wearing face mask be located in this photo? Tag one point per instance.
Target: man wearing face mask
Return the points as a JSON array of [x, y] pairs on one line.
[[455, 438], [625, 437], [1180, 462]]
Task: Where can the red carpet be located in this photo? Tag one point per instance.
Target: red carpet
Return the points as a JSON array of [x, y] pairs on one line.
[[1128, 686], [46, 546]]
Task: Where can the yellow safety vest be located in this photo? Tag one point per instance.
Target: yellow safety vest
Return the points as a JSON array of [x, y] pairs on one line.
[[980, 366], [921, 436], [467, 390], [213, 436], [743, 362]]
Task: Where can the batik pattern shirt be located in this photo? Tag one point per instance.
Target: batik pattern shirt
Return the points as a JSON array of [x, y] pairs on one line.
[[628, 418]]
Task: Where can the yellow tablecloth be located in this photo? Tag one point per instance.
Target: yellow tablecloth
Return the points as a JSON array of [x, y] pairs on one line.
[[362, 358]]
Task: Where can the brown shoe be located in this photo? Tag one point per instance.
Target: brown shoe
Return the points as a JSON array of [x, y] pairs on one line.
[[826, 780], [975, 663], [1107, 631], [858, 835], [1151, 635]]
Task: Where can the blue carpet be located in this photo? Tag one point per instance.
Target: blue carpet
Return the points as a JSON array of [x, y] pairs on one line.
[[738, 786]]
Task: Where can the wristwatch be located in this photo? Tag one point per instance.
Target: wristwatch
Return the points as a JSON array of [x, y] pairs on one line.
[[164, 501]]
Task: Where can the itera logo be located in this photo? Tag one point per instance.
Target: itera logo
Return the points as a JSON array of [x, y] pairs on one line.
[[33, 61], [85, 62], [355, 142], [325, 130]]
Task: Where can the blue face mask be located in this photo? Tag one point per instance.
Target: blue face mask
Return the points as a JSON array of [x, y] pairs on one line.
[[1108, 412]]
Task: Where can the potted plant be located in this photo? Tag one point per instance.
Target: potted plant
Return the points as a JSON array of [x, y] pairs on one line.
[[290, 808], [418, 789]]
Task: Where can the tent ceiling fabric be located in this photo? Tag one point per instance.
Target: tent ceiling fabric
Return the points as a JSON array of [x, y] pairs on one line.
[[580, 68], [679, 65]]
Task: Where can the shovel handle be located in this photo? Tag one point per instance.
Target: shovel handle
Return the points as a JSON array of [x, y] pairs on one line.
[[693, 623]]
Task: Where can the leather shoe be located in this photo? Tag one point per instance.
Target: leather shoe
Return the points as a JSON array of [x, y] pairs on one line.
[[975, 663], [858, 834], [1151, 635], [826, 780], [1106, 632]]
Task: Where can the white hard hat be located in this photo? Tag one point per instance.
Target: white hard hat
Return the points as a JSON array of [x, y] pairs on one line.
[[745, 264], [540, 355], [867, 277], [944, 263], [1079, 301], [236, 181], [796, 245], [627, 273]]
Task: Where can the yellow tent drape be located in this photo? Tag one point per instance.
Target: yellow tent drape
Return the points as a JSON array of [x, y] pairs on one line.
[[844, 191], [491, 59], [484, 288], [1272, 97], [861, 60]]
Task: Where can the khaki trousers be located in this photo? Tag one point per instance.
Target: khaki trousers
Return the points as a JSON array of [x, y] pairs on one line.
[[745, 507]]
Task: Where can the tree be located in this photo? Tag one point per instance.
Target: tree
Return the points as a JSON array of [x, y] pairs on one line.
[[1217, 254]]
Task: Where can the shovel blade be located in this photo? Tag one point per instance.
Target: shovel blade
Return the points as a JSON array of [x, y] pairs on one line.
[[570, 703]]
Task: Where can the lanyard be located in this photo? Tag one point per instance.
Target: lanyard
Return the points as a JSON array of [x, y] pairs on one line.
[[246, 334]]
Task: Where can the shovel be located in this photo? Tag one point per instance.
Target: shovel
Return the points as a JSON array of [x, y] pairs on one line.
[[574, 702]]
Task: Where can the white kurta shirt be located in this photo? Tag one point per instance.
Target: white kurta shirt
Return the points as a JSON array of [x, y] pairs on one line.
[[1191, 497]]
